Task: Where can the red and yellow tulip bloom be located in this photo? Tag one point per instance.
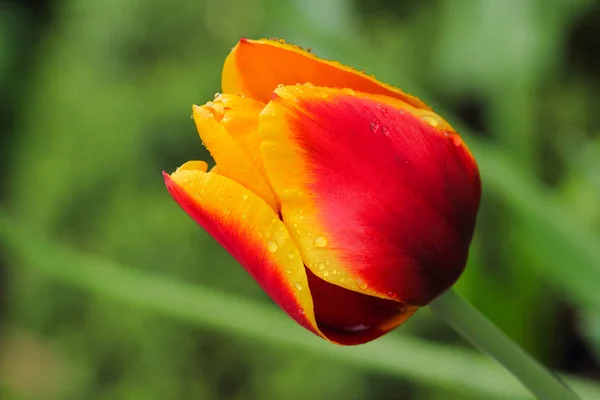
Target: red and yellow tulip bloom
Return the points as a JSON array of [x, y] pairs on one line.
[[349, 201]]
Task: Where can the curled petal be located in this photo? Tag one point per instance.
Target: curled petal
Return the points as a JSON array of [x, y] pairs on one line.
[[257, 67], [379, 201], [250, 231]]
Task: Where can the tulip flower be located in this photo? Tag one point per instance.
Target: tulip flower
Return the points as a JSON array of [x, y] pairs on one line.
[[349, 201]]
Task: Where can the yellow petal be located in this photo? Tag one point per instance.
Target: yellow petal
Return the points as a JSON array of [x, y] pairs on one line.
[[232, 160], [257, 67]]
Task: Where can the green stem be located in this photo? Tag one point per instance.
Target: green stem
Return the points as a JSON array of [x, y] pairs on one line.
[[485, 336]]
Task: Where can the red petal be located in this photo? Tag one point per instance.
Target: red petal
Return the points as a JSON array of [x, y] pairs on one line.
[[395, 197]]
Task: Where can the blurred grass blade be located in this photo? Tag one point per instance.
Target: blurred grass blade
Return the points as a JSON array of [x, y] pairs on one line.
[[456, 369], [558, 239]]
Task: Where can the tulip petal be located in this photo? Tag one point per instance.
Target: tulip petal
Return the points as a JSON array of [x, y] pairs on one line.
[[379, 201], [232, 160], [257, 67], [253, 234], [239, 116]]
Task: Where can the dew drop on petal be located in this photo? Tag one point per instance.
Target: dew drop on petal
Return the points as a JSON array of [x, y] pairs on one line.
[[385, 130], [325, 273], [456, 140], [217, 94], [280, 85], [374, 126], [361, 284], [320, 241], [357, 328], [299, 286], [244, 196], [301, 311], [430, 120], [290, 255], [272, 246], [321, 266]]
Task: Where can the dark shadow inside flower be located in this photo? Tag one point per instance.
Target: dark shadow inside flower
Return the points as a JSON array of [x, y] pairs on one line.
[[350, 317]]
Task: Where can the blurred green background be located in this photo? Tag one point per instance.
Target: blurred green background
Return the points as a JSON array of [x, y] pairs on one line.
[[109, 291]]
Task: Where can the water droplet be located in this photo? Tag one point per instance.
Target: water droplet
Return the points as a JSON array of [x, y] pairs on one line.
[[385, 130], [321, 266], [217, 94], [301, 311], [299, 286], [280, 85], [244, 216], [456, 140], [334, 271], [301, 217], [209, 103], [325, 273], [392, 295], [361, 284], [290, 255], [298, 231], [244, 196], [308, 84], [357, 328], [201, 191], [320, 241], [374, 126], [272, 246], [282, 41], [289, 271], [309, 49], [430, 120]]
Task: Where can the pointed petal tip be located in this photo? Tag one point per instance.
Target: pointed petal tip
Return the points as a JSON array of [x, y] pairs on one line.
[[167, 178]]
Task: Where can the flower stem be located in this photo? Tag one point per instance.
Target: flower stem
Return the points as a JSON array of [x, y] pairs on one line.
[[485, 336]]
